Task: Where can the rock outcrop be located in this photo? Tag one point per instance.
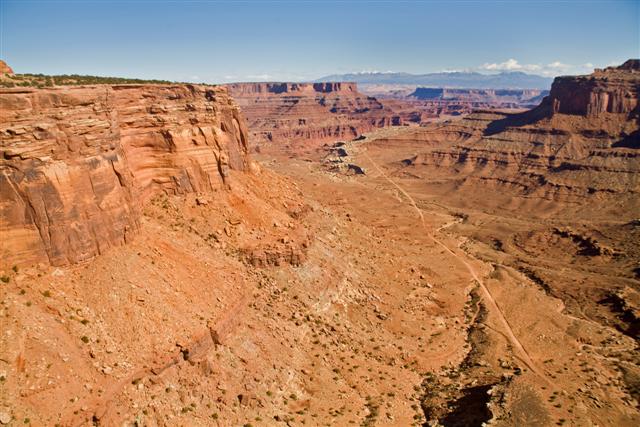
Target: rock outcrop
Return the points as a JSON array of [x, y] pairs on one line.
[[4, 68], [580, 144], [308, 112], [612, 90], [76, 163]]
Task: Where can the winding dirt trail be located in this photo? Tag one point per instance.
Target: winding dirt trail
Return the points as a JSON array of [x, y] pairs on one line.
[[491, 302]]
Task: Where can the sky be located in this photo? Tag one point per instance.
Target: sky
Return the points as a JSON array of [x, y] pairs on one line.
[[222, 41]]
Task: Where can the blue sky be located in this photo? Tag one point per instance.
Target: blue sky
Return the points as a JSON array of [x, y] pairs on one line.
[[218, 41]]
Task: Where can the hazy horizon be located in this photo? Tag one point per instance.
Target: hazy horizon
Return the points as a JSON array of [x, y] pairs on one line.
[[219, 42]]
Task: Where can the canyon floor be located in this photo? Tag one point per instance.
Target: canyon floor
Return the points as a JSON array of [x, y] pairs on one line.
[[378, 299], [516, 311]]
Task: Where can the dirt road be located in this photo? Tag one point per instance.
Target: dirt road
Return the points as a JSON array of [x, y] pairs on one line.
[[493, 306]]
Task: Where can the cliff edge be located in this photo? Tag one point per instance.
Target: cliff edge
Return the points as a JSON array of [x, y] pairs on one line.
[[611, 90], [76, 163]]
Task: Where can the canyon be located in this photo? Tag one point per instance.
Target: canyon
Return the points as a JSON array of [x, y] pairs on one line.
[[297, 117], [579, 145], [304, 254], [308, 113]]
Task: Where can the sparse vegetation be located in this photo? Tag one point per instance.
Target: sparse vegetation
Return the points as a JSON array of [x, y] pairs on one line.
[[372, 416], [42, 80]]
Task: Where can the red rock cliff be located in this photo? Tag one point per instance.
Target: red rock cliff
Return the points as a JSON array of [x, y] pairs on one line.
[[77, 162], [308, 113], [612, 90]]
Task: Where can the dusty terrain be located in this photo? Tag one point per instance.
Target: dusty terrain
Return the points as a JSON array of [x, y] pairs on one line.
[[456, 274]]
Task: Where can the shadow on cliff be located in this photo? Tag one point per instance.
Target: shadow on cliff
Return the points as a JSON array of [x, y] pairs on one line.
[[630, 141], [633, 139], [517, 120]]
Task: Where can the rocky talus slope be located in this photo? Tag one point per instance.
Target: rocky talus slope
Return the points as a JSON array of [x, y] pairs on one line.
[[581, 143], [309, 112], [78, 162]]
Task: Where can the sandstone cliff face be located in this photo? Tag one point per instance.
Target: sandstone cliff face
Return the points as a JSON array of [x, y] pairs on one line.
[[308, 112], [77, 162], [612, 90], [580, 145]]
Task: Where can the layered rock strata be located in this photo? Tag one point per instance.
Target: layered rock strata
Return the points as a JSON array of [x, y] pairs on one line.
[[309, 112], [582, 142], [613, 90], [76, 163]]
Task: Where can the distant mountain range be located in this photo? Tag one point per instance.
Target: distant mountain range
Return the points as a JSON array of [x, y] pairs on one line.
[[462, 80]]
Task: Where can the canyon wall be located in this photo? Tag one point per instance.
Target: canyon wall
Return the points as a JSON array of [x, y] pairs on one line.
[[76, 163], [303, 113], [581, 145], [612, 90]]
